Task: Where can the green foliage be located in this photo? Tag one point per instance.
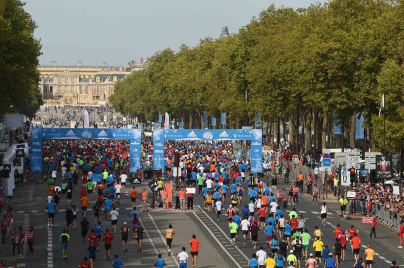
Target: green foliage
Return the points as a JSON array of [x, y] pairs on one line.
[[19, 52], [336, 57]]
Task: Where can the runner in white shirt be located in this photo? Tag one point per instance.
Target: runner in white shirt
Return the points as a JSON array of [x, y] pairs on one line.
[[182, 256], [123, 177], [114, 218], [118, 188], [64, 170], [261, 256], [209, 183], [323, 213], [90, 175], [54, 174], [245, 227], [273, 206], [218, 209]]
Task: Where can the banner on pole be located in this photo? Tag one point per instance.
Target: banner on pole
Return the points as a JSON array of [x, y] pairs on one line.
[[223, 118], [205, 118], [336, 127], [86, 119], [213, 121], [166, 121], [359, 130]]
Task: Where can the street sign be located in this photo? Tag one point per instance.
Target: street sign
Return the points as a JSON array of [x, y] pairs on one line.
[[326, 156], [326, 162], [19, 153], [370, 160], [19, 146], [352, 158], [350, 194]]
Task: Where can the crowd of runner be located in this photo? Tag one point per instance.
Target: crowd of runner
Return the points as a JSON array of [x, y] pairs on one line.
[[253, 206]]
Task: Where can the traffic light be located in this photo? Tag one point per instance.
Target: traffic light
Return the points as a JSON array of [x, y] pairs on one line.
[[352, 174]]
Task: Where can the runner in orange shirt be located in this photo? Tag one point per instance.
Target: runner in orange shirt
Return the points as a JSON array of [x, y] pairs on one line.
[[84, 204], [194, 249], [133, 195], [144, 200]]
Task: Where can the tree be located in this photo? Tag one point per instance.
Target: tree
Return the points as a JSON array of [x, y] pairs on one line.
[[19, 52]]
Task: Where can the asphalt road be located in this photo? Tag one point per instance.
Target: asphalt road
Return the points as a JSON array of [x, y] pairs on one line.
[[29, 205]]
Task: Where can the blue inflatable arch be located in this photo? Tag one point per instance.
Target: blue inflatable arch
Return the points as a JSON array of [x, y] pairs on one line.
[[253, 135], [38, 134]]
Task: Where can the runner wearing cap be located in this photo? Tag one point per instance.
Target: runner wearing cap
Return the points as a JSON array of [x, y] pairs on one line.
[[291, 258], [125, 233], [369, 255], [311, 262]]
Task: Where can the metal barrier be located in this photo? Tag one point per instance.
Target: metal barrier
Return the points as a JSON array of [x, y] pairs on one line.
[[386, 216]]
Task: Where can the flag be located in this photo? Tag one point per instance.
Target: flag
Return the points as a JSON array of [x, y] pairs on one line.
[[223, 118], [381, 105], [367, 220], [86, 119], [205, 118], [166, 121], [213, 121], [160, 118]]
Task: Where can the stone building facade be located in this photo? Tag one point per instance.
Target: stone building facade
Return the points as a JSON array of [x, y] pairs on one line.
[[81, 85]]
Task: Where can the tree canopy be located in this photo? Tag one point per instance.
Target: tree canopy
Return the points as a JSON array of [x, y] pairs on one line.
[[334, 60], [19, 52]]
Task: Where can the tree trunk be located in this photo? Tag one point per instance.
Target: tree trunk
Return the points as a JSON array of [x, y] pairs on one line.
[[297, 130], [307, 133], [190, 121], [325, 130], [292, 131], [352, 132], [342, 136], [315, 131]]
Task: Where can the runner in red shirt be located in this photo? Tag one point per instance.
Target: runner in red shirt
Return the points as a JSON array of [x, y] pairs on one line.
[[293, 222], [351, 231], [84, 263], [343, 239], [108, 237], [337, 231], [93, 238], [194, 249], [261, 212], [83, 192]]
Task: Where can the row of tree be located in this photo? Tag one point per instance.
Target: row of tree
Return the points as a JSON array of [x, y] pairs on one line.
[[303, 67], [19, 52]]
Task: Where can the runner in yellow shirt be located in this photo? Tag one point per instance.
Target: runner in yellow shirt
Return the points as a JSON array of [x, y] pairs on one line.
[[318, 247]]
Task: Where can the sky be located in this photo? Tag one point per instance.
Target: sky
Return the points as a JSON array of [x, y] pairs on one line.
[[118, 31]]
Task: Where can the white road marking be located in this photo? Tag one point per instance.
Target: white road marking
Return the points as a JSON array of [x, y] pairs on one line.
[[162, 238], [217, 241]]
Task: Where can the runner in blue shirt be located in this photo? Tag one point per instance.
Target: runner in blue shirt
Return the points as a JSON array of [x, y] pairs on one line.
[[107, 208], [288, 230], [159, 262], [274, 244], [279, 260], [238, 180], [269, 232], [271, 220], [329, 262], [233, 188], [51, 212], [279, 213], [246, 211], [98, 230], [253, 263]]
